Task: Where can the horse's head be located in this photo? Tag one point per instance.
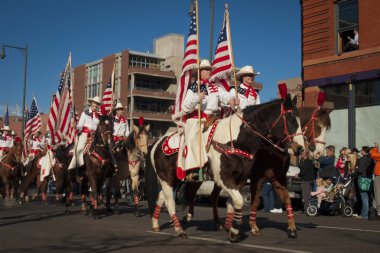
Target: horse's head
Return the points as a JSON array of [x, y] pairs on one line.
[[141, 138], [105, 129], [16, 150], [291, 127], [315, 124]]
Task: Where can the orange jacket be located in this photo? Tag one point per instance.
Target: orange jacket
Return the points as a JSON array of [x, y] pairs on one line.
[[375, 155]]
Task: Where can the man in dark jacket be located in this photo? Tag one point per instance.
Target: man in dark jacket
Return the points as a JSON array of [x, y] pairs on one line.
[[307, 175], [364, 170], [327, 168]]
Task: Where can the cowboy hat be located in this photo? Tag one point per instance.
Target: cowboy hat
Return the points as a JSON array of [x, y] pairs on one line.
[[246, 70], [95, 99], [205, 64], [119, 106], [5, 128]]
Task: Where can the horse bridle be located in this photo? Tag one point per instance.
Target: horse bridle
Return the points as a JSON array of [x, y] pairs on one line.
[[312, 132], [140, 146]]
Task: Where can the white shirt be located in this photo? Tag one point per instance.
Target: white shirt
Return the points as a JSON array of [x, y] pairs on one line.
[[355, 41], [6, 141], [120, 126], [210, 103], [36, 143], [247, 95], [88, 119]]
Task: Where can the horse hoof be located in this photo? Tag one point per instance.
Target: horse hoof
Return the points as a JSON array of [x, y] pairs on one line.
[[155, 230], [292, 233], [233, 237], [182, 235], [255, 232], [137, 213]]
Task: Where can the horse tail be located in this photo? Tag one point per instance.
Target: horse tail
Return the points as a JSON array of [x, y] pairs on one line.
[[151, 182]]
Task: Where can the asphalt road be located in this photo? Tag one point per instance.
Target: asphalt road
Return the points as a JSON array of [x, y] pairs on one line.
[[35, 227]]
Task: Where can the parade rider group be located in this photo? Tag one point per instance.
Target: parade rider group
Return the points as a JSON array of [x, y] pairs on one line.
[[211, 96]]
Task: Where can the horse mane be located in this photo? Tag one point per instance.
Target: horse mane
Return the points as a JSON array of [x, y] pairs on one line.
[[249, 110], [322, 114], [130, 143]]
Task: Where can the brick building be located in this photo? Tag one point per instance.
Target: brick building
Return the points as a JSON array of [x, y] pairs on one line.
[[145, 82], [351, 79]]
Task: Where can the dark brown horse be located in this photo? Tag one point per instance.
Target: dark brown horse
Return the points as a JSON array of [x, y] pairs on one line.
[[97, 161], [271, 164], [10, 170], [129, 155], [230, 172]]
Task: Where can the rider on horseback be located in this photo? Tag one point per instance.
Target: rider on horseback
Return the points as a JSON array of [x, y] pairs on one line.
[[209, 99], [120, 126], [37, 145], [6, 141], [246, 93]]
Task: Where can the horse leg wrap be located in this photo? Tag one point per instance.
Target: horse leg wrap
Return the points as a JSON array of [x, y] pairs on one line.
[[157, 212], [228, 223], [289, 209], [136, 200], [252, 218], [237, 220], [176, 223]]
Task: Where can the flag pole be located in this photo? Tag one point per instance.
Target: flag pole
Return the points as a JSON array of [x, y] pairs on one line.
[[227, 17], [200, 102], [113, 86]]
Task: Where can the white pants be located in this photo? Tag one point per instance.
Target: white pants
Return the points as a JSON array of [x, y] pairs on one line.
[[188, 155], [77, 159]]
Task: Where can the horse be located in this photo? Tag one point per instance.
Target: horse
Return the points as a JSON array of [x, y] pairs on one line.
[[271, 164], [10, 170], [246, 129], [97, 160], [129, 155]]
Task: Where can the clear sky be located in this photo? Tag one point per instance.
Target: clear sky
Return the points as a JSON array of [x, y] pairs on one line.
[[265, 34]]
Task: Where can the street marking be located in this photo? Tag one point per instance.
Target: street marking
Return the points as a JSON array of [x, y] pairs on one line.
[[352, 229], [234, 244]]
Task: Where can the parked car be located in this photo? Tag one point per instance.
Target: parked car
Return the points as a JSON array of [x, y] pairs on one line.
[[293, 185]]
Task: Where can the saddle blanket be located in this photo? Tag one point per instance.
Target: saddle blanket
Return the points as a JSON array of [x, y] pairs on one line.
[[45, 163]]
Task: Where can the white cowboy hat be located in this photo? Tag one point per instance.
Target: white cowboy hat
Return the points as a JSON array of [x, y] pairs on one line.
[[95, 99], [246, 70], [205, 64], [5, 128], [119, 106]]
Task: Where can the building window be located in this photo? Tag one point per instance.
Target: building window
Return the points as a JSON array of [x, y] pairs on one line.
[[367, 92], [144, 62], [347, 21], [147, 84], [94, 78], [337, 93]]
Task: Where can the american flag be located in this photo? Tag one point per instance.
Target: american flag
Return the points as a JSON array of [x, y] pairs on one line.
[[33, 121], [6, 117], [222, 58], [190, 60], [107, 96], [73, 123], [59, 120]]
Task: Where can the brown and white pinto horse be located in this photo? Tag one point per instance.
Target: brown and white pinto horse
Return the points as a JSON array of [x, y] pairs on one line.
[[129, 156], [230, 172], [271, 164], [10, 170]]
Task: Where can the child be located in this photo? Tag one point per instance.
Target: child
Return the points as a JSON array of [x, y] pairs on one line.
[[320, 192]]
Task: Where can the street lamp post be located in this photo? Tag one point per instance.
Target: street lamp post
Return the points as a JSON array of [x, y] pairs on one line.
[[24, 51]]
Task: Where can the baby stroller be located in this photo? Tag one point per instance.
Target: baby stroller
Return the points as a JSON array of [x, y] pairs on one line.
[[335, 201]]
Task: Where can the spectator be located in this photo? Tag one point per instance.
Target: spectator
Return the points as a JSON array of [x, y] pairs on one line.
[[320, 193], [342, 163], [375, 155], [327, 167], [364, 170], [278, 205], [307, 175], [353, 43], [267, 195]]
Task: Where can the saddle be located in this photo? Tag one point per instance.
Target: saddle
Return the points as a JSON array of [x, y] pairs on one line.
[[209, 122]]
